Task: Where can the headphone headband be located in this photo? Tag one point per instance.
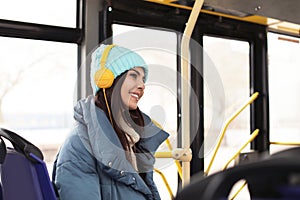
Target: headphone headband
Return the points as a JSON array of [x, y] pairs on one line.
[[105, 55], [104, 77]]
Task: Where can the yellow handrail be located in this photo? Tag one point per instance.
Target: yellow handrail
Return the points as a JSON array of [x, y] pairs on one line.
[[238, 191], [185, 92], [165, 181], [251, 138], [169, 153], [163, 154], [251, 99], [179, 169], [286, 143]]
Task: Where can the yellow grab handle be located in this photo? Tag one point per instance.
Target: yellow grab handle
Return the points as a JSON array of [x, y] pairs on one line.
[[252, 137], [251, 99]]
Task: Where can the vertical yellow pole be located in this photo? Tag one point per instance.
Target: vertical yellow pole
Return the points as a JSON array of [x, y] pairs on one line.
[[185, 92]]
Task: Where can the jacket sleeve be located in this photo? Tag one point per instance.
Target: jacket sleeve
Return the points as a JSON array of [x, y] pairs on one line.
[[76, 175]]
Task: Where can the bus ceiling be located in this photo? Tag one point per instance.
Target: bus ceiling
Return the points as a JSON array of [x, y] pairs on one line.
[[279, 16]]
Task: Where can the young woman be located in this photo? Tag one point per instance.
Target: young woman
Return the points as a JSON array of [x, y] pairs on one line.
[[109, 153]]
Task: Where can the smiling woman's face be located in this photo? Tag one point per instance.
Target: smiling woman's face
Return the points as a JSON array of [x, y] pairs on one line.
[[133, 87]]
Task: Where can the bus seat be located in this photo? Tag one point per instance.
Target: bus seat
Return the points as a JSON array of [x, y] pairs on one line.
[[274, 178], [23, 172]]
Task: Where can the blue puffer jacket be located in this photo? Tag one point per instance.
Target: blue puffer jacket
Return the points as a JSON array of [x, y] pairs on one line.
[[92, 165]]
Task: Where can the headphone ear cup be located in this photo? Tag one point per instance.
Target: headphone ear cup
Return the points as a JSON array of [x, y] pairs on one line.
[[104, 78]]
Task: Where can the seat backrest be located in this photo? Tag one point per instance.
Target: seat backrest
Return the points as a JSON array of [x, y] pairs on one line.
[[274, 178], [23, 172]]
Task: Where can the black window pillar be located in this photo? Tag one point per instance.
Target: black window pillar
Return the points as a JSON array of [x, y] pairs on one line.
[[259, 83], [197, 119]]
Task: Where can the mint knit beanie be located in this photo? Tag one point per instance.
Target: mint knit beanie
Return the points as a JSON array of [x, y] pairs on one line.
[[119, 60]]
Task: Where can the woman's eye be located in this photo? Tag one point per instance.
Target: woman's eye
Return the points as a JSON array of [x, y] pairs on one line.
[[133, 75]]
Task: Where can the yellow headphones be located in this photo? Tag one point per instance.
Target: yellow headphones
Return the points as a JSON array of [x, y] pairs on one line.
[[104, 77]]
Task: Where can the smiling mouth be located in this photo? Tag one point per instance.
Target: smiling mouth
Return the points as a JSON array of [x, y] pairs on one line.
[[135, 96]]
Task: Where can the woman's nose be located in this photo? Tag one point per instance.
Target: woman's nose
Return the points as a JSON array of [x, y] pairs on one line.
[[141, 85]]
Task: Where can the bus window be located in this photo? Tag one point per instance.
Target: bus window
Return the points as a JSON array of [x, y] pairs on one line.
[[231, 60], [284, 89], [38, 81], [158, 48], [42, 12]]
